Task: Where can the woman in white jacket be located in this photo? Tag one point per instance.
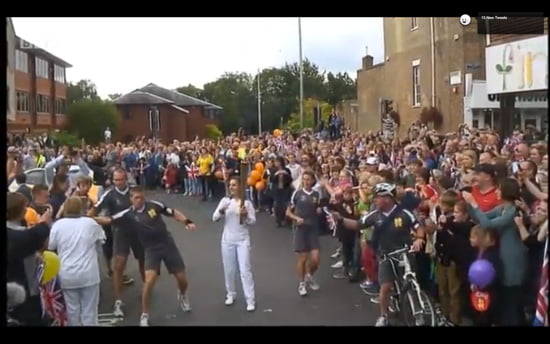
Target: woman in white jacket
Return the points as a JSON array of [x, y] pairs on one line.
[[236, 243], [77, 240]]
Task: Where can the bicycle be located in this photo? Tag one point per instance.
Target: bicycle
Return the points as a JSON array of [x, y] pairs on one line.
[[413, 304]]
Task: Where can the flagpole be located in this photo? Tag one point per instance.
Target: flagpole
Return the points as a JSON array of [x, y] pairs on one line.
[[301, 75]]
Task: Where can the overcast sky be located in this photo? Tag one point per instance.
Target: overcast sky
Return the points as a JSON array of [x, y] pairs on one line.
[[122, 54]]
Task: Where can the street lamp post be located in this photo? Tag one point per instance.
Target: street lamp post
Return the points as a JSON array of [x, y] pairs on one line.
[[301, 75], [259, 106]]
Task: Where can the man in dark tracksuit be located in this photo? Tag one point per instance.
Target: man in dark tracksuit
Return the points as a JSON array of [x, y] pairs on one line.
[[159, 245], [125, 235]]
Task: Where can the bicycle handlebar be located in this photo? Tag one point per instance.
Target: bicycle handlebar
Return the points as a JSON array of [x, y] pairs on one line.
[[406, 249]]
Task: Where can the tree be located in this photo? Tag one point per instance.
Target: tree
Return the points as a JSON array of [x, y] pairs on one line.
[[340, 87], [310, 104], [233, 92], [114, 96], [213, 132], [88, 119], [84, 89], [192, 91]]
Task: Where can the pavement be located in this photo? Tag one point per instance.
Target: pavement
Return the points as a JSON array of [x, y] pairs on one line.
[[337, 303]]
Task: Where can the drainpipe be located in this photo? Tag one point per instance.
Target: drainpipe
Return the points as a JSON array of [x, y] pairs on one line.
[[432, 48]]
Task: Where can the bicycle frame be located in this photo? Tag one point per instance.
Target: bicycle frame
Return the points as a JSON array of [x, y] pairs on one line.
[[407, 279]]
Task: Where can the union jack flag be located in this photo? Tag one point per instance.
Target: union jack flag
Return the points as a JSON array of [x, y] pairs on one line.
[[541, 316], [330, 221], [53, 302]]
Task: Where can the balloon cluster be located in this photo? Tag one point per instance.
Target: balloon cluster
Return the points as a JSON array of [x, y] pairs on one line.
[[255, 177]]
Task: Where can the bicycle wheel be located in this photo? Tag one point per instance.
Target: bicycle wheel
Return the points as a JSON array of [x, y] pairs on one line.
[[415, 312]]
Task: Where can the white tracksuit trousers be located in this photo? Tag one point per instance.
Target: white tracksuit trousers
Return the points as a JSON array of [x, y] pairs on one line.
[[82, 305], [237, 255], [235, 246]]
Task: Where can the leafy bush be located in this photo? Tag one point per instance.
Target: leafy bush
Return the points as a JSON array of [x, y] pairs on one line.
[[66, 139], [89, 118], [213, 132]]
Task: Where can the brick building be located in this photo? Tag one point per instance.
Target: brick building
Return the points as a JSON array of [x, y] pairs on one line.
[[167, 114], [40, 89], [10, 70], [426, 61]]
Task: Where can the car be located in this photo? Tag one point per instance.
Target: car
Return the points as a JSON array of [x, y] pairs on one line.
[[36, 176]]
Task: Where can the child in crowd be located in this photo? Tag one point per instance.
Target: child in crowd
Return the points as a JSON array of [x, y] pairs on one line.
[[462, 253], [446, 273], [346, 209], [484, 241]]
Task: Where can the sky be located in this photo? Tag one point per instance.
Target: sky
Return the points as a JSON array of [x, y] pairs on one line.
[[122, 54]]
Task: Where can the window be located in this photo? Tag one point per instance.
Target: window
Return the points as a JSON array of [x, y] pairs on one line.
[[414, 23], [154, 120], [416, 95], [59, 74], [21, 61], [42, 103], [22, 101], [60, 106], [41, 68], [126, 113], [475, 123]]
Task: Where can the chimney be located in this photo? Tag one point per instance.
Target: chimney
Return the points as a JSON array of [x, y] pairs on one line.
[[367, 62]]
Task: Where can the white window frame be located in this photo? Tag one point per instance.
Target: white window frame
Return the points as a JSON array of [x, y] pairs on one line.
[[59, 106], [154, 118], [414, 23], [41, 67], [21, 61], [43, 103], [59, 74], [22, 101], [416, 89]]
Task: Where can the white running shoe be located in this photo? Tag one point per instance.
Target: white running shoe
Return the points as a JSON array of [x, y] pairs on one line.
[[229, 300], [144, 320], [184, 302], [117, 310], [338, 265], [302, 290], [336, 254], [311, 283], [382, 321], [250, 306]]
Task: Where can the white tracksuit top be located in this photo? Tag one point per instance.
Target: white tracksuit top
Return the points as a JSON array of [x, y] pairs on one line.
[[233, 231]]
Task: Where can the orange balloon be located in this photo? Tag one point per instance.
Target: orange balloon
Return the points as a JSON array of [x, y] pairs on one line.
[[250, 181], [260, 186], [277, 133], [255, 175], [259, 167]]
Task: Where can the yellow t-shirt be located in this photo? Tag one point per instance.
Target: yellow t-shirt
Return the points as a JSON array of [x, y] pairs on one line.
[[205, 164], [241, 153]]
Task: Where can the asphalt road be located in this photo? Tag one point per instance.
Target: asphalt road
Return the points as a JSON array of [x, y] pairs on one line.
[[337, 303]]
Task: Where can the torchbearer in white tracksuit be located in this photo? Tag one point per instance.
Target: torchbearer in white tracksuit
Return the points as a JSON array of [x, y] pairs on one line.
[[236, 243]]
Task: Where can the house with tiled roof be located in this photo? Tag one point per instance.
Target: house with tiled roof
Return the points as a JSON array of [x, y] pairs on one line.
[[154, 111]]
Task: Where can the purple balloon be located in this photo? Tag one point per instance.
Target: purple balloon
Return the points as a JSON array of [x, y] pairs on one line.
[[481, 273]]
